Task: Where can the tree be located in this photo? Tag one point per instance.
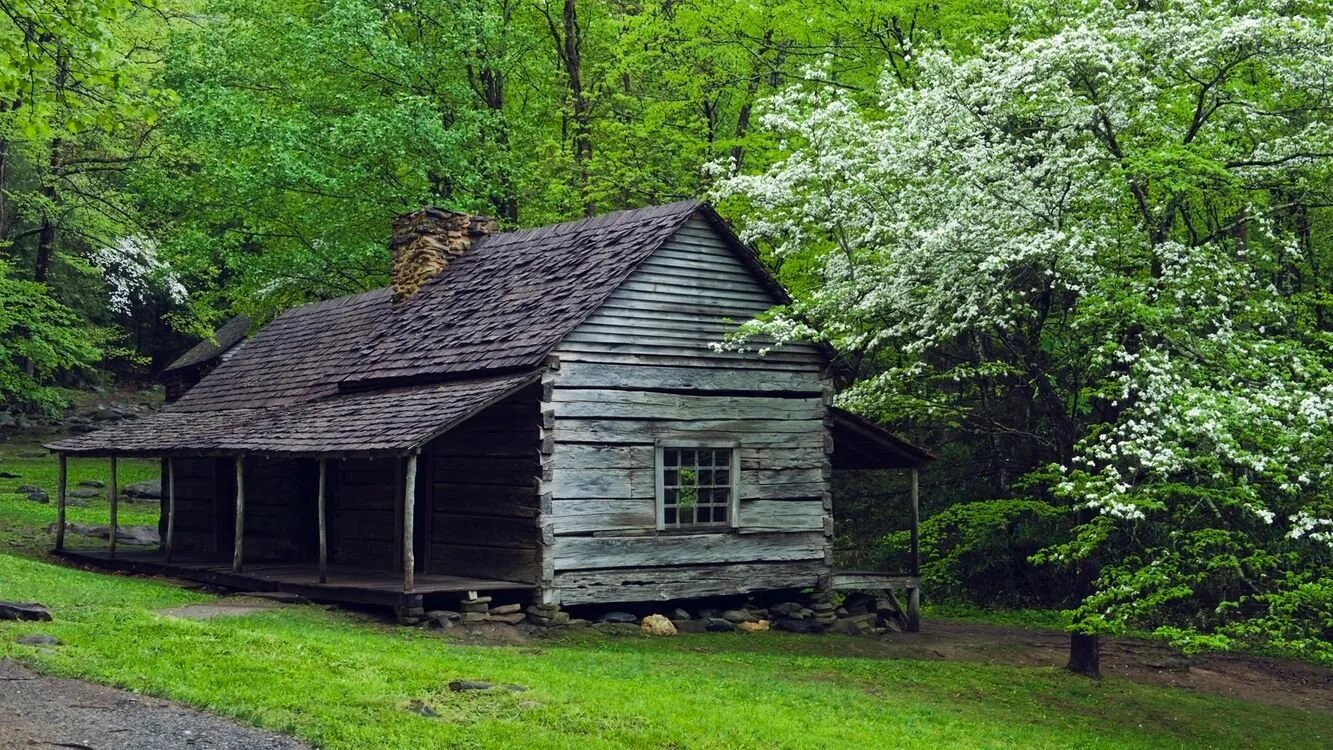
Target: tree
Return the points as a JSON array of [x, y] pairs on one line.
[[1104, 219]]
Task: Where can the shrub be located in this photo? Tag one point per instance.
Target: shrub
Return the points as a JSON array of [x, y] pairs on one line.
[[979, 553]]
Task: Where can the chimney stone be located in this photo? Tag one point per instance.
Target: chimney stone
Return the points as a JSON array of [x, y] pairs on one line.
[[425, 241]]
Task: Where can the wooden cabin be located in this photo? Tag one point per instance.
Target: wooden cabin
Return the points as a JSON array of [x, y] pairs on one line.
[[536, 410]]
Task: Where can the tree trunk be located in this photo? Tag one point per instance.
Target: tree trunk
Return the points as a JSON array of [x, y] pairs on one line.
[[1084, 655], [46, 236], [573, 55]]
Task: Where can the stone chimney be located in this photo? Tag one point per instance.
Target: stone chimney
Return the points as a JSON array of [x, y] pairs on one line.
[[425, 241]]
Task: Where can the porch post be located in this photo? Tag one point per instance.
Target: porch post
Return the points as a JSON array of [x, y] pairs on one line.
[[409, 510], [60, 503], [171, 507], [239, 545], [323, 529], [115, 503], [914, 593]]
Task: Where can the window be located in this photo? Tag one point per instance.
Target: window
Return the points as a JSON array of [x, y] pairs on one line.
[[696, 487]]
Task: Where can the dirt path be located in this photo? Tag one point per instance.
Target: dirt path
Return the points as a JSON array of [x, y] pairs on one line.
[[38, 711], [1256, 679]]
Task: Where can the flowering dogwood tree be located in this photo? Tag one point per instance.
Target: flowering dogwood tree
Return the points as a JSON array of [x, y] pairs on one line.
[[1115, 216], [133, 271]]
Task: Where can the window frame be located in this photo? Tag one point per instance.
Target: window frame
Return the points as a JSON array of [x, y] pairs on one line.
[[659, 475]]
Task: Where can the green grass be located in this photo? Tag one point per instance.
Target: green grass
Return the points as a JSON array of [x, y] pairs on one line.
[[23, 523], [1041, 619], [340, 681]]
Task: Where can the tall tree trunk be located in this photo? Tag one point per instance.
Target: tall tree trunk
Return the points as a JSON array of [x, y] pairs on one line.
[[582, 107], [568, 38], [46, 235]]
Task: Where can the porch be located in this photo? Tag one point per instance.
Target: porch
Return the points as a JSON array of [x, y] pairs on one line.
[[344, 584]]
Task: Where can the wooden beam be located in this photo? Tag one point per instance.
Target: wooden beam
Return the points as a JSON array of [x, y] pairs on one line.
[[238, 547], [323, 527], [916, 526], [171, 507], [115, 503], [914, 593], [854, 580], [914, 610], [409, 510], [60, 503]]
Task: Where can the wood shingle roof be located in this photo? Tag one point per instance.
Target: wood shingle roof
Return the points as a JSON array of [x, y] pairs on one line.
[[391, 421], [332, 377]]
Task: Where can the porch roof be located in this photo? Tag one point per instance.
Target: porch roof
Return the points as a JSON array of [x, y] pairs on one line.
[[859, 443], [382, 422]]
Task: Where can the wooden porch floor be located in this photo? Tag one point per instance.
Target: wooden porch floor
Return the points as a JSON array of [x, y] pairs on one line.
[[345, 584]]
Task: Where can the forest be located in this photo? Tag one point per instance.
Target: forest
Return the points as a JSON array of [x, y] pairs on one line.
[[1082, 251]]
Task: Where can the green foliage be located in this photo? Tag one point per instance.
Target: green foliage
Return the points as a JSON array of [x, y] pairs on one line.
[[39, 338], [980, 552]]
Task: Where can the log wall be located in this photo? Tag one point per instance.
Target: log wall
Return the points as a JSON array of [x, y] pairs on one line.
[[483, 478], [280, 509], [364, 526], [639, 371], [198, 488]]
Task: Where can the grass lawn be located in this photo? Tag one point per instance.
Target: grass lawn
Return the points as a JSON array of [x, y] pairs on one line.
[[23, 522], [340, 680]]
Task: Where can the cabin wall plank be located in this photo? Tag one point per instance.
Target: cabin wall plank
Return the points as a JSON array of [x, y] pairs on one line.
[[667, 583], [641, 370]]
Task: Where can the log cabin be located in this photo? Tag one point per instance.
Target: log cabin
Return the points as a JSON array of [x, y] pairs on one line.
[[536, 411]]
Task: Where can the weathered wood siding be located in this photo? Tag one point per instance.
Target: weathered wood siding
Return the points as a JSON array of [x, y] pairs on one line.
[[364, 524], [199, 485], [280, 509], [483, 478], [640, 370]]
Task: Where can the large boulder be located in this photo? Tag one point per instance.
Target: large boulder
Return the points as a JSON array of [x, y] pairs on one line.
[[24, 611], [149, 489]]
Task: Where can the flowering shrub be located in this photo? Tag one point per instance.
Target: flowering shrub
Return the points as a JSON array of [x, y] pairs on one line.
[[1107, 217]]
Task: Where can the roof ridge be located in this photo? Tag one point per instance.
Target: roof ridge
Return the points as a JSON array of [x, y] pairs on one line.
[[611, 218]]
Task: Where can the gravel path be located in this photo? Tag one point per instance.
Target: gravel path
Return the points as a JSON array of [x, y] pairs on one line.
[[37, 711]]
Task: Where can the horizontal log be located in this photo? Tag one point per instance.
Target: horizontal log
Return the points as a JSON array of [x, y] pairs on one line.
[[585, 483], [662, 584], [583, 553], [495, 531], [649, 355], [487, 499], [498, 444], [575, 456], [375, 554], [496, 471], [347, 523], [791, 434], [520, 565], [592, 402], [860, 579], [583, 516], [584, 375], [755, 458], [781, 515], [793, 491]]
